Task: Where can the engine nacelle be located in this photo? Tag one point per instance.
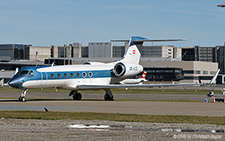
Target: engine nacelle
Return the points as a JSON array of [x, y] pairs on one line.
[[127, 69]]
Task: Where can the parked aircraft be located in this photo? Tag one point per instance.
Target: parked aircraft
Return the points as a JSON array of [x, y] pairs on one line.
[[92, 75], [135, 81]]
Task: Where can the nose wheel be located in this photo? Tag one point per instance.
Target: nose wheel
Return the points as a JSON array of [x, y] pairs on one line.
[[22, 99], [23, 94]]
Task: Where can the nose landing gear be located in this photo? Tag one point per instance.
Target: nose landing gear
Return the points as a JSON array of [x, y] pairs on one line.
[[23, 94]]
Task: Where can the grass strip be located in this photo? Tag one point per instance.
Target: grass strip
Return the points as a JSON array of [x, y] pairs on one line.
[[113, 117]]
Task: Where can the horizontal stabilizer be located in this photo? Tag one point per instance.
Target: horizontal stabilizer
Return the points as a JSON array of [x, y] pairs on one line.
[[135, 40], [119, 40], [142, 39], [166, 40]]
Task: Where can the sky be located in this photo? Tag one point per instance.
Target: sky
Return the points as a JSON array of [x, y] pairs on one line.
[[58, 22]]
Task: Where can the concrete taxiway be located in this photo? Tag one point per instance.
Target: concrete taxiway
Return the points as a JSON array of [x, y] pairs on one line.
[[57, 95], [127, 107]]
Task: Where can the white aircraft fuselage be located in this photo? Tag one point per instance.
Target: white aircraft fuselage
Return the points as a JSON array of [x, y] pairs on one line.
[[70, 76]]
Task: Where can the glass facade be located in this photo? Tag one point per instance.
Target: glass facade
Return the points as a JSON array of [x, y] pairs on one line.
[[164, 74]]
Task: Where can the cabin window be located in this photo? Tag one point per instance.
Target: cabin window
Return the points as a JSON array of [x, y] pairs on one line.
[[65, 75], [84, 74], [71, 74], [90, 74], [78, 75], [58, 75], [52, 76]]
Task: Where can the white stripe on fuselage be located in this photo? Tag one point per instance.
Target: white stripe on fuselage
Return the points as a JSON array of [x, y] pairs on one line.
[[76, 68]]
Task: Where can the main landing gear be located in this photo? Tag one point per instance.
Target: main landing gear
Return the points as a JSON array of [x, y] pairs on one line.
[[77, 96], [23, 94], [108, 95]]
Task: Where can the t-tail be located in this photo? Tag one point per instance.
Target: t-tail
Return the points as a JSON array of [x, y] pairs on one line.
[[132, 55]]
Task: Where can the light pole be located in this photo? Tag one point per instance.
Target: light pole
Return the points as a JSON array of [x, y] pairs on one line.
[[64, 54], [36, 53]]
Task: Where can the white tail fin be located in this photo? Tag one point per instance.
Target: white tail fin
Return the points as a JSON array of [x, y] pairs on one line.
[[132, 55], [214, 77]]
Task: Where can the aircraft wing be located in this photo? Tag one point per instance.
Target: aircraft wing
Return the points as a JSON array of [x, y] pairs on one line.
[[132, 86], [146, 85]]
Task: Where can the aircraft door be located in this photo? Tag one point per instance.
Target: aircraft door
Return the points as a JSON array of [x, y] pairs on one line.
[[44, 78]]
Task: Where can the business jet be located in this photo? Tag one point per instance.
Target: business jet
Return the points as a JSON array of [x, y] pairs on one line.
[[92, 75], [135, 81]]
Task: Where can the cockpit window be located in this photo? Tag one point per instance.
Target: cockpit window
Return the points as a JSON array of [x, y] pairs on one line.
[[24, 72]]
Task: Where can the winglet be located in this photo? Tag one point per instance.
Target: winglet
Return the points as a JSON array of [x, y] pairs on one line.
[[214, 77]]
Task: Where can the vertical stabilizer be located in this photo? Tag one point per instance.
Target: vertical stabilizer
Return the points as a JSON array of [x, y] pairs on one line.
[[143, 76], [132, 54]]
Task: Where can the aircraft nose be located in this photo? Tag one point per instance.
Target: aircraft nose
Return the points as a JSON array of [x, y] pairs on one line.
[[14, 83]]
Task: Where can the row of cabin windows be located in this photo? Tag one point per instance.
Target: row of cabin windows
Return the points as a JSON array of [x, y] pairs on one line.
[[72, 75]]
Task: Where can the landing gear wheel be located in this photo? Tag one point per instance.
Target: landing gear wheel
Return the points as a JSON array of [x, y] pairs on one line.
[[77, 96], [22, 99], [107, 97], [23, 94]]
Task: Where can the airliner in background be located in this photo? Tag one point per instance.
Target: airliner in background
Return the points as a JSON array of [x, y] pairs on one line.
[[91, 75], [135, 81]]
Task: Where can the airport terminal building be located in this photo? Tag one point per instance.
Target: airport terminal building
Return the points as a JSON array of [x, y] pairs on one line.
[[163, 63]]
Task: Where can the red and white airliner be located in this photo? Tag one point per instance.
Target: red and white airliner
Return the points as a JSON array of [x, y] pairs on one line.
[[135, 81]]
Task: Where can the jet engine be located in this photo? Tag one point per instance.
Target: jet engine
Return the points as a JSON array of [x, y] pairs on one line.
[[127, 69]]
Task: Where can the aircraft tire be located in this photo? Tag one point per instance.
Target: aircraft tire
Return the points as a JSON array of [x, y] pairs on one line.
[[22, 99], [77, 96], [107, 97]]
